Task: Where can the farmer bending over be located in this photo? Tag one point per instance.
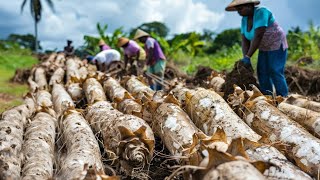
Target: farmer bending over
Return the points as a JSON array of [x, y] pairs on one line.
[[260, 31], [132, 52], [155, 58], [104, 58]]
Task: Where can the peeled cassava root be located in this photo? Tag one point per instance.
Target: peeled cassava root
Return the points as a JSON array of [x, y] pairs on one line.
[[57, 77], [61, 99], [237, 161], [216, 81], [208, 110], [137, 88], [40, 78], [38, 147], [179, 134], [11, 138], [93, 91], [307, 118], [81, 147], [72, 70], [172, 125], [126, 138], [169, 121], [269, 122], [121, 97], [280, 167], [300, 101], [75, 91], [39, 140], [76, 74], [113, 89], [43, 99], [222, 165]]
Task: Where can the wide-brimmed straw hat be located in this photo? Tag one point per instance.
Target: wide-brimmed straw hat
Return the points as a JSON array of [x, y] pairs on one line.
[[122, 41], [234, 3], [101, 42], [140, 34]]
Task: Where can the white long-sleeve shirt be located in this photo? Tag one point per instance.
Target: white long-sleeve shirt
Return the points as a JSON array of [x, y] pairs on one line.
[[107, 56]]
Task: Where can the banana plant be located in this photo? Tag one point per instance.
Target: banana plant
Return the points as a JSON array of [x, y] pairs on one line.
[[91, 45], [194, 44], [110, 39], [178, 43], [191, 45], [91, 42]]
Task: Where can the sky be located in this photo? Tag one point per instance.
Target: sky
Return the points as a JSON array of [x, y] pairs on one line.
[[73, 19]]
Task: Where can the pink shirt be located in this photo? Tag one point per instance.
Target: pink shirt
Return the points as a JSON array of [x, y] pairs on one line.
[[132, 49], [105, 47], [157, 51]]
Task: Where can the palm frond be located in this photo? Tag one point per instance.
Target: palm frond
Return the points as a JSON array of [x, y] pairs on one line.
[[36, 10], [23, 4], [51, 5]]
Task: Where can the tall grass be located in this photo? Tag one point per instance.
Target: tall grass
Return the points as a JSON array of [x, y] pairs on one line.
[[220, 61], [11, 58]]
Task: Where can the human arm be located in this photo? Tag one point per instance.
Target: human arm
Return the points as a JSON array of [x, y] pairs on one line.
[[138, 55], [149, 55], [125, 61], [263, 18], [254, 45], [245, 45]]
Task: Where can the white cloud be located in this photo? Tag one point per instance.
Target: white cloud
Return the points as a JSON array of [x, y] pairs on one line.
[[74, 19], [180, 15]]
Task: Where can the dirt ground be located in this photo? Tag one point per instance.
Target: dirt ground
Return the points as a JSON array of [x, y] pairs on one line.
[[8, 101], [241, 75]]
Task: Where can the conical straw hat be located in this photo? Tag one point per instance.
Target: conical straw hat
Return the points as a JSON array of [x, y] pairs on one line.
[[234, 3], [122, 41], [140, 34], [101, 42]]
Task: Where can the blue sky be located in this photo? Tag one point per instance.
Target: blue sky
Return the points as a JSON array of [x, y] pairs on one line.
[[75, 18]]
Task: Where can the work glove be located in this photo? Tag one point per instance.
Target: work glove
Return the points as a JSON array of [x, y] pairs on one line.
[[247, 63], [246, 60]]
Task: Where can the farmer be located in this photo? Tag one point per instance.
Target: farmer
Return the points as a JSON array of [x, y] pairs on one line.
[[260, 31], [103, 46], [104, 58], [132, 52], [156, 61], [69, 49]]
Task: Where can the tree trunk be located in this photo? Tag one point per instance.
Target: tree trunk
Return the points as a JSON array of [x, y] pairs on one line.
[[36, 35]]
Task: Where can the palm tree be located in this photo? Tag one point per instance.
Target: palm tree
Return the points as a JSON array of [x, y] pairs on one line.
[[36, 10]]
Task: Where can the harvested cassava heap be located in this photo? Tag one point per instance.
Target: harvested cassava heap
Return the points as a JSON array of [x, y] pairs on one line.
[[241, 75], [303, 81], [125, 130]]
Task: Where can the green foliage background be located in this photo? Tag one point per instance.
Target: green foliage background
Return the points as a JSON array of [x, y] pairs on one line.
[[12, 56], [218, 51]]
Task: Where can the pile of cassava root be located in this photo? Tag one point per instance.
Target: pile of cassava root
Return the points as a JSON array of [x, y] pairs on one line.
[[77, 123]]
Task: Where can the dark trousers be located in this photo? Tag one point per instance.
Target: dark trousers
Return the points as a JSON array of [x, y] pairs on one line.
[[270, 70]]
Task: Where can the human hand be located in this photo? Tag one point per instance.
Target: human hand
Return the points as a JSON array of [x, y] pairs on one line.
[[246, 60]]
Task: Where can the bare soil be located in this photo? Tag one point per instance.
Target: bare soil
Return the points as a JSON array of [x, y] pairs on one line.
[[241, 75]]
